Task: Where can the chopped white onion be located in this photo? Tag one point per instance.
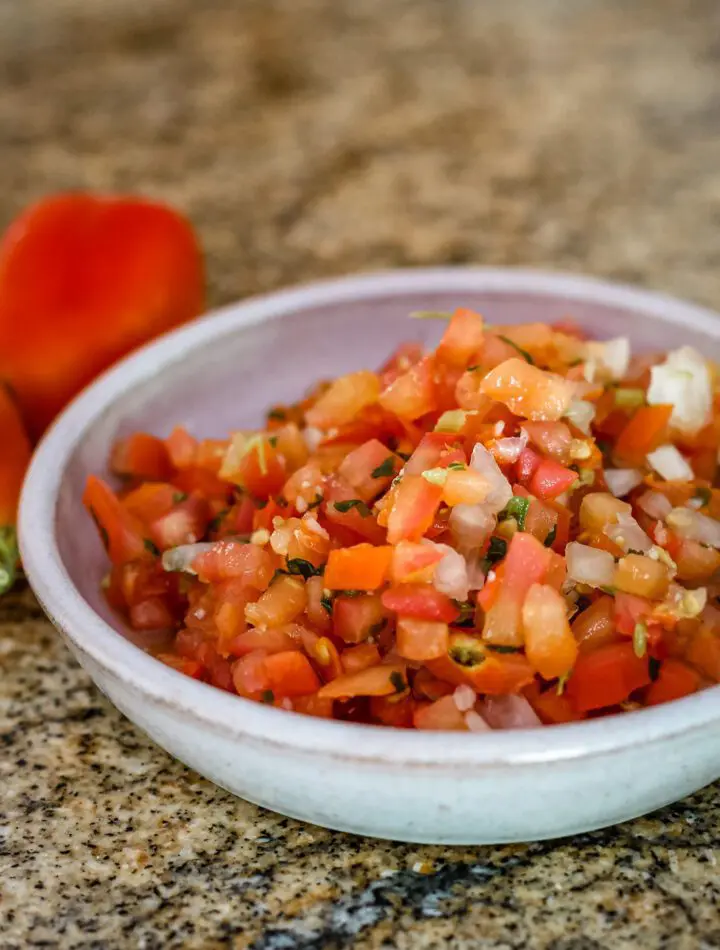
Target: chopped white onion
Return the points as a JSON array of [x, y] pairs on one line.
[[509, 449], [313, 437], [683, 381], [621, 481], [670, 464], [181, 557], [471, 525], [475, 722], [588, 565], [695, 526], [581, 413], [628, 534], [450, 575], [655, 504], [509, 712], [607, 361], [464, 697], [500, 489]]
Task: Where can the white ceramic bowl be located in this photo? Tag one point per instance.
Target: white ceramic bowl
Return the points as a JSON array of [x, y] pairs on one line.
[[219, 374]]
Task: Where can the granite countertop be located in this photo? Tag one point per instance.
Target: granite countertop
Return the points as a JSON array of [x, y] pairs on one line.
[[315, 137]]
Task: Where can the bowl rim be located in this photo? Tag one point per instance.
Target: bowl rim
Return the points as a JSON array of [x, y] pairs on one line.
[[248, 721]]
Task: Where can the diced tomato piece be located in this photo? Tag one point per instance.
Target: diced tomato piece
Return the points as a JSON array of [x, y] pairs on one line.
[[703, 652], [629, 611], [427, 686], [527, 465], [181, 448], [393, 711], [362, 567], [442, 716], [122, 533], [141, 456], [357, 618], [528, 391], [645, 431], [553, 439], [344, 399], [675, 680], [413, 509], [469, 661], [429, 451], [370, 469], [405, 356], [525, 564], [323, 652], [255, 465], [313, 705], [550, 647], [462, 339], [281, 603], [142, 580], [606, 677], [151, 500], [360, 657], [249, 675], [420, 601], [595, 626], [352, 513], [205, 483], [421, 640], [291, 674], [186, 523], [551, 479], [550, 707], [413, 562], [413, 394], [316, 612], [191, 668], [233, 559], [274, 640], [152, 614]]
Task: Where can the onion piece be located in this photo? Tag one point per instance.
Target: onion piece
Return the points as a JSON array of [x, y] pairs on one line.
[[695, 526], [670, 464], [628, 534], [450, 575], [464, 697], [621, 481], [607, 361], [475, 722], [500, 489], [588, 565], [581, 413], [471, 525], [181, 557], [655, 504], [509, 449], [684, 382], [313, 437], [508, 712]]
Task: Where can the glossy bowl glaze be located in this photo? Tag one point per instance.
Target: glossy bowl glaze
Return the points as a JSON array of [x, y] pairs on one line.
[[220, 373]]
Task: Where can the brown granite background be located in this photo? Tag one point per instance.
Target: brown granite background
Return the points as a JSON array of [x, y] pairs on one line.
[[313, 137]]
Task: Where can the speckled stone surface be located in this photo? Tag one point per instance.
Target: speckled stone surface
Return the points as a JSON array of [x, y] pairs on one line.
[[308, 138]]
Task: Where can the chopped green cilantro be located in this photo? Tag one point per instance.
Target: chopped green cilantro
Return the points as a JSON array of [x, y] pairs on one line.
[[524, 353], [151, 547], [398, 681], [552, 534], [516, 508], [306, 569], [385, 468], [344, 506]]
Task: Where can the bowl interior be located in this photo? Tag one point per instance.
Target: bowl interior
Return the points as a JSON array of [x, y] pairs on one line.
[[223, 373]]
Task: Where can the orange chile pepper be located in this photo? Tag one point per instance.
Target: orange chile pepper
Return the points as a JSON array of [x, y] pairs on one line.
[[14, 459], [84, 280]]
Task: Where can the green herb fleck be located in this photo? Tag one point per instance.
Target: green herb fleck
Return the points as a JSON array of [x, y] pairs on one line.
[[466, 655], [405, 456], [474, 369], [431, 315], [703, 495], [151, 547], [516, 508], [268, 696], [653, 668], [552, 534], [277, 415], [306, 569], [457, 466], [327, 603], [640, 640], [497, 549], [314, 504], [562, 683], [344, 506], [179, 497], [524, 353], [502, 648], [398, 681], [352, 593], [385, 468], [273, 440], [467, 614]]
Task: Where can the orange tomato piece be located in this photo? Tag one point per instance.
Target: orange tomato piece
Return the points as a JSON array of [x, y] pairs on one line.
[[362, 567]]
